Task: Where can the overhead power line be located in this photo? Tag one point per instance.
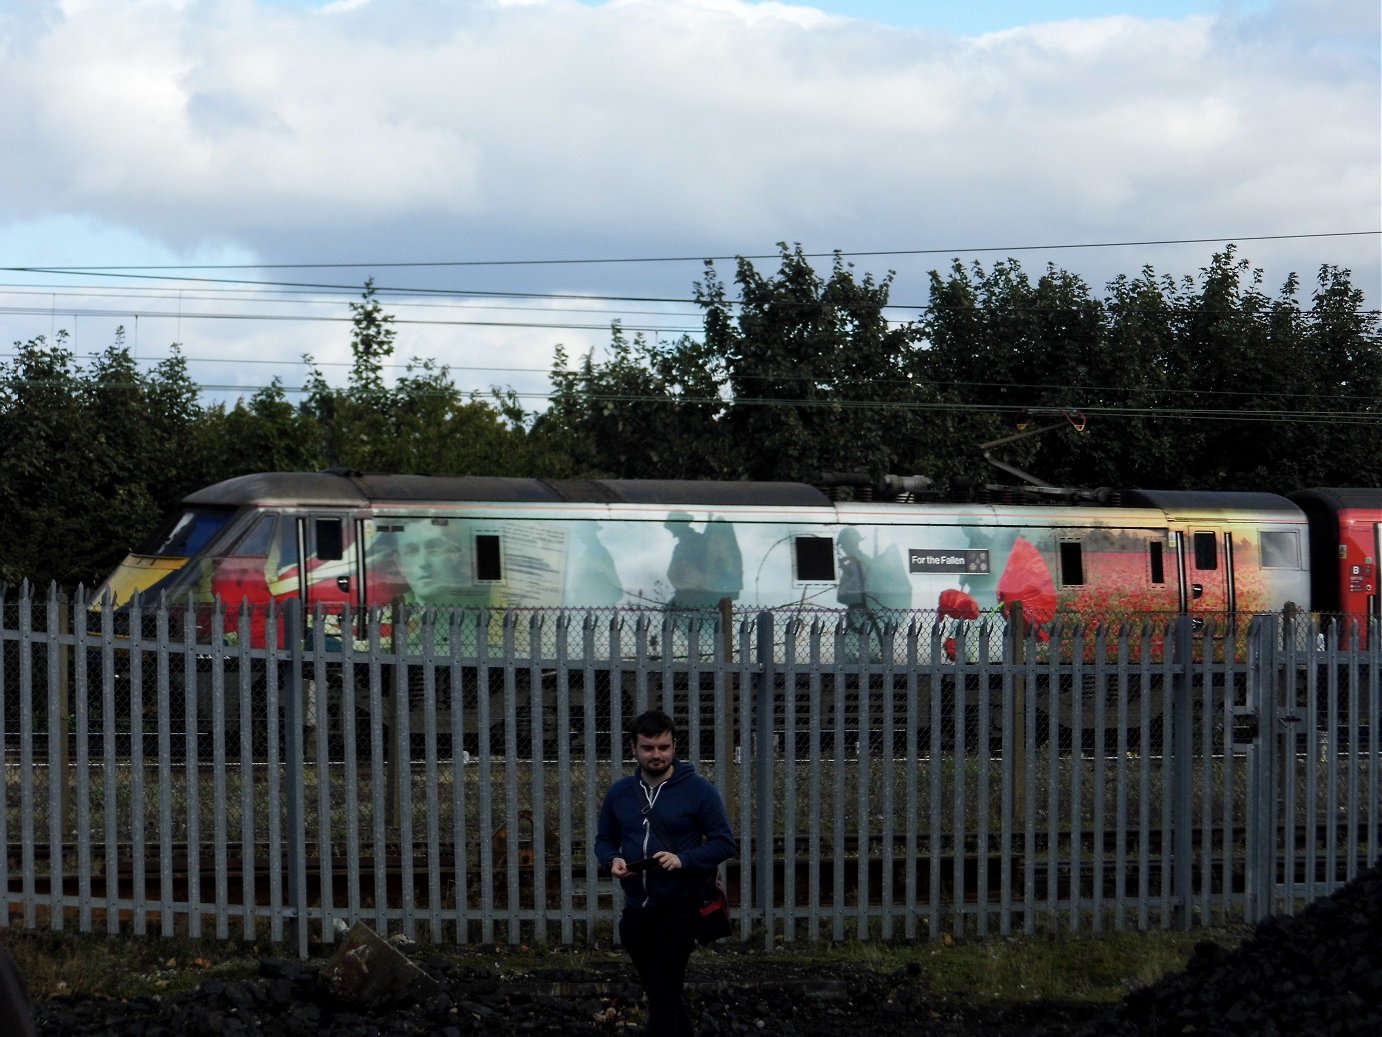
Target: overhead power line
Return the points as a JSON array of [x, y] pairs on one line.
[[1315, 417], [1325, 409], [159, 273], [87, 312], [613, 260]]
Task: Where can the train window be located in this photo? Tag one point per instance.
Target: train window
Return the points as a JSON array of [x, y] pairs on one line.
[[815, 558], [1157, 557], [488, 568], [1206, 551], [1071, 563], [1280, 549], [191, 532], [330, 539], [257, 541]]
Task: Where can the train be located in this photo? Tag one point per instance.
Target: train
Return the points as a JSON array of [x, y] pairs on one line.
[[339, 540]]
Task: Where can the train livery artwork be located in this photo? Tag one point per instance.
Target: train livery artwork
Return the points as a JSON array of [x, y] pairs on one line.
[[337, 539]]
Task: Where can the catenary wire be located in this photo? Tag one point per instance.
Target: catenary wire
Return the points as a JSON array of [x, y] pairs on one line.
[[878, 253]]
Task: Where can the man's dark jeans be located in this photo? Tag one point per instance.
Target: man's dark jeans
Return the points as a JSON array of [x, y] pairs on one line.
[[660, 941]]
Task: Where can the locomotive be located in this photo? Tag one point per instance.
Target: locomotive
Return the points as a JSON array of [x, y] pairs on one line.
[[340, 539]]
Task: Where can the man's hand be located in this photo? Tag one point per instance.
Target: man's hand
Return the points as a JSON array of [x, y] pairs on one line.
[[619, 869], [669, 860]]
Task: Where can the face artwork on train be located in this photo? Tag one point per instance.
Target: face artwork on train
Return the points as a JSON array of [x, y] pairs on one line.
[[437, 563]]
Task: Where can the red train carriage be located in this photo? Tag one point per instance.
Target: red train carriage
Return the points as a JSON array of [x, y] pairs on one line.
[[1345, 544]]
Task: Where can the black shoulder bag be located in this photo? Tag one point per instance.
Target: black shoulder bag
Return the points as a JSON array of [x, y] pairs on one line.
[[712, 918]]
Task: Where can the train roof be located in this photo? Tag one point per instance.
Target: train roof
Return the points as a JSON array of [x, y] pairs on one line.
[[353, 489], [347, 489], [1179, 502], [1339, 498]]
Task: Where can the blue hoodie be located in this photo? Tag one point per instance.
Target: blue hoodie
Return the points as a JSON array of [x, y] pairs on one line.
[[693, 818]]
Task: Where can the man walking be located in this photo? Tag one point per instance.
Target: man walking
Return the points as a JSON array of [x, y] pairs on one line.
[[663, 833]]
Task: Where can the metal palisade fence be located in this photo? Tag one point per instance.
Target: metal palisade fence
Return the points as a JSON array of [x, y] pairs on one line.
[[889, 776]]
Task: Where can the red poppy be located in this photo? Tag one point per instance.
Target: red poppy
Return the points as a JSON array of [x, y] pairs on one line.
[[950, 648], [1027, 579], [958, 605]]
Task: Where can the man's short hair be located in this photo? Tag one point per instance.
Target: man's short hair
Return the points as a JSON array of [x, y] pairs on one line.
[[651, 724]]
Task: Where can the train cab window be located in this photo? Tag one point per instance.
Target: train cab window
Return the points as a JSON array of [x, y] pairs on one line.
[[815, 559], [192, 531], [330, 539], [1206, 551], [488, 566], [256, 543], [243, 572], [1156, 557], [1071, 563], [1280, 549]]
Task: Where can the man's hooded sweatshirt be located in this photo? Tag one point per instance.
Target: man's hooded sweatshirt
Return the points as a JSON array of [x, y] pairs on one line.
[[692, 817]]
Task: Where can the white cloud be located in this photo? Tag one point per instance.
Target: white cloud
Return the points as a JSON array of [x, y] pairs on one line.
[[412, 131]]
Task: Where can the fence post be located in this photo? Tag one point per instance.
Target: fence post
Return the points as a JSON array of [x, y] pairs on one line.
[[59, 722], [727, 629], [726, 650], [66, 777], [1263, 673], [295, 790], [763, 796], [1183, 757], [1016, 636]]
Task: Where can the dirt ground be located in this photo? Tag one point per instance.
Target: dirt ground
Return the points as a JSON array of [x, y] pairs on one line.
[[727, 995], [1316, 972]]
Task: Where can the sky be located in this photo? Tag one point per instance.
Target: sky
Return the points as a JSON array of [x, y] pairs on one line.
[[517, 175]]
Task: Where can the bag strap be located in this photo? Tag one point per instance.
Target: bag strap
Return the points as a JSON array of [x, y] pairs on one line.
[[655, 822]]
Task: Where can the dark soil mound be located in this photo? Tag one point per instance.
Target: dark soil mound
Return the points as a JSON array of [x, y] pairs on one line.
[[1318, 972]]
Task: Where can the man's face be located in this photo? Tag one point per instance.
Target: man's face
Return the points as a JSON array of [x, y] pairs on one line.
[[654, 754], [430, 558]]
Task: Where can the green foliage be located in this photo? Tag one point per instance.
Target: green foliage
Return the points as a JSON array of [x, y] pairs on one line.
[[798, 376], [265, 433], [820, 378], [88, 458], [649, 412], [1208, 382], [93, 459], [421, 423]]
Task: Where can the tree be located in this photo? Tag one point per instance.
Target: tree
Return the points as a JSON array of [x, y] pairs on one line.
[[819, 378], [265, 433], [354, 422], [40, 413], [1005, 347], [421, 423], [1208, 383], [1279, 396], [1140, 332], [1346, 355], [91, 459], [648, 412]]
